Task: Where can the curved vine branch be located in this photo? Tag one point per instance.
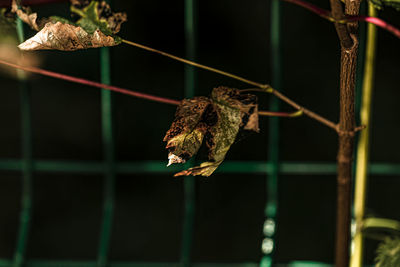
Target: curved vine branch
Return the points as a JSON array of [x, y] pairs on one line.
[[306, 111], [91, 83], [201, 66], [126, 91]]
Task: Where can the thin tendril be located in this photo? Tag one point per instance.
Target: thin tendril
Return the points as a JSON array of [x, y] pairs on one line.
[[189, 62]]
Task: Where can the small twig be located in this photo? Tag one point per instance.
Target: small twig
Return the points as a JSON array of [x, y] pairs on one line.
[[307, 112], [189, 62], [254, 90], [360, 128], [280, 114], [301, 109]]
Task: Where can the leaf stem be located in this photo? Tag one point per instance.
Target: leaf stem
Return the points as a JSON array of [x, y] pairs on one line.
[[306, 111], [254, 90], [189, 62], [280, 114], [301, 109]]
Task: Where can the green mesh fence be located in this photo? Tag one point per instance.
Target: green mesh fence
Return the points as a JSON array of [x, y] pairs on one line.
[[110, 167]]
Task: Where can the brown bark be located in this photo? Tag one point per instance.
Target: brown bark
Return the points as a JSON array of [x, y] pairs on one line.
[[345, 153], [346, 130], [341, 29]]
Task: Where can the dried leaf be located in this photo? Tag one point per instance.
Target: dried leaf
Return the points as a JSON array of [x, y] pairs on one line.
[[216, 120], [245, 103], [26, 15], [66, 37], [205, 169], [186, 134], [95, 28]]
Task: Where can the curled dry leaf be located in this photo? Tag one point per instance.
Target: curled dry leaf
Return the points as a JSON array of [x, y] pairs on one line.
[[217, 120], [66, 37], [188, 129], [26, 15], [95, 28]]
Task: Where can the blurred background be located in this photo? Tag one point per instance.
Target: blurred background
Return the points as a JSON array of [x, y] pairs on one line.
[[147, 226]]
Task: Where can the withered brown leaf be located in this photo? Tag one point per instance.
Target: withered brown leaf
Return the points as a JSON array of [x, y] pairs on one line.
[[66, 37], [217, 120], [186, 134], [26, 15], [96, 27]]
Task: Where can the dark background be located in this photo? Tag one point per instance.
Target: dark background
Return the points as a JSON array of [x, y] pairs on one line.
[[233, 36]]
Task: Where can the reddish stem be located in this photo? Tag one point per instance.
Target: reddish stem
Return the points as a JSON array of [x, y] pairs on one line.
[[313, 8], [92, 83], [378, 22], [327, 15]]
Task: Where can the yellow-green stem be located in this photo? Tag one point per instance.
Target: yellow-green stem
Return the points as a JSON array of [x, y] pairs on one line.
[[363, 143], [280, 114], [224, 73]]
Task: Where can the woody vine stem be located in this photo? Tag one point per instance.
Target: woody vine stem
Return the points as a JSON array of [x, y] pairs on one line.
[[349, 45], [261, 87]]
